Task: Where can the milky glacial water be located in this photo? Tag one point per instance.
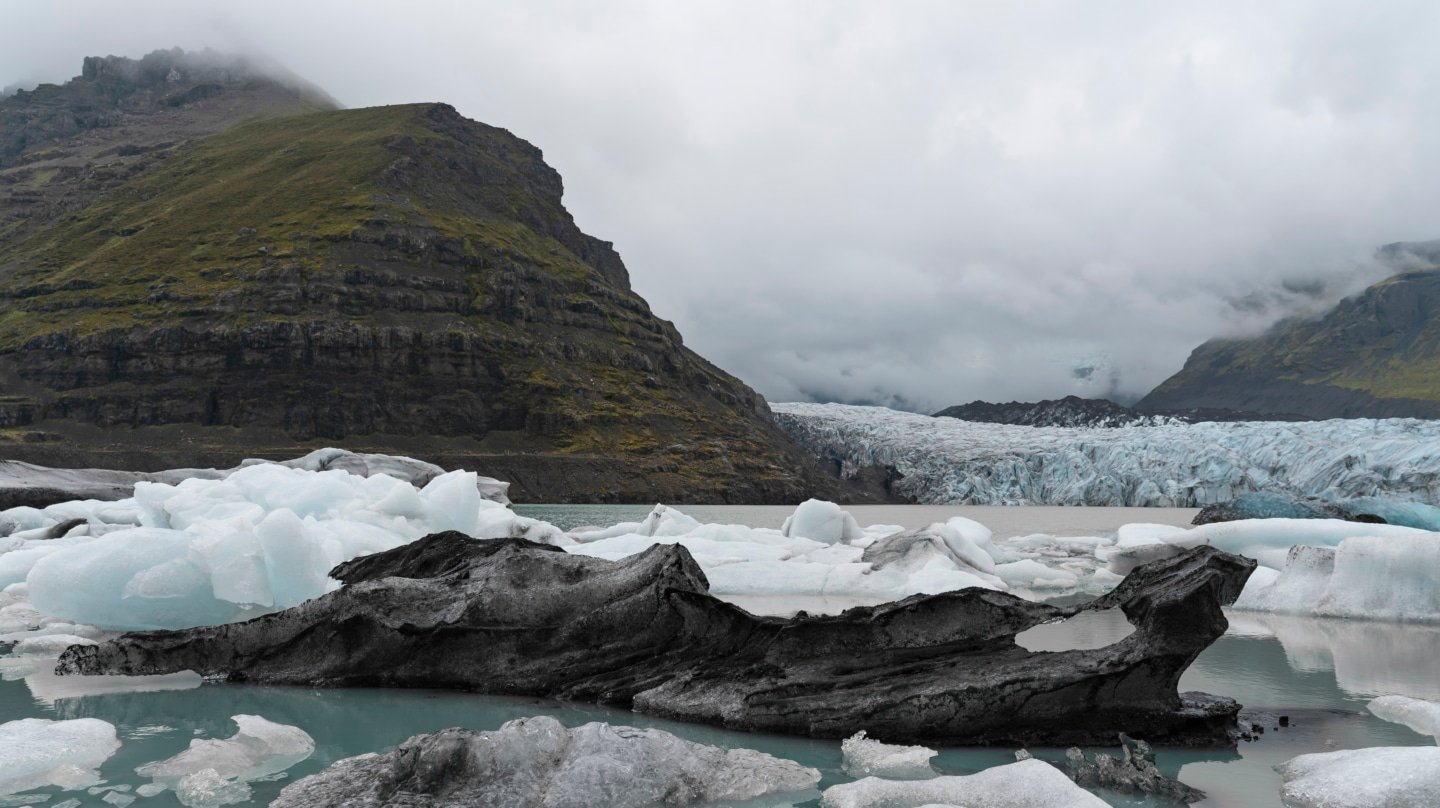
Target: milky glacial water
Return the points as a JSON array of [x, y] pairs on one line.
[[1320, 673]]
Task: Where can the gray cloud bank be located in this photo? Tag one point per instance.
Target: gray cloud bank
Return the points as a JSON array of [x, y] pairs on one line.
[[915, 203]]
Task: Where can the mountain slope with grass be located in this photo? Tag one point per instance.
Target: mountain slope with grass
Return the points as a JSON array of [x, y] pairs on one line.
[[1375, 355], [396, 279]]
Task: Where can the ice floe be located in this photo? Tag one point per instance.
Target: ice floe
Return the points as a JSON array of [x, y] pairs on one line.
[[213, 772], [865, 757], [1421, 715], [1375, 777], [1031, 783], [39, 753]]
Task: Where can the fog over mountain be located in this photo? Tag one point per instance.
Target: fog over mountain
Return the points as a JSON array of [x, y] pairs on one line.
[[916, 205]]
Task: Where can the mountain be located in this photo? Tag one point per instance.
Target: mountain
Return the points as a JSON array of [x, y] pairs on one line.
[[198, 265], [1073, 411], [1068, 411], [1374, 355]]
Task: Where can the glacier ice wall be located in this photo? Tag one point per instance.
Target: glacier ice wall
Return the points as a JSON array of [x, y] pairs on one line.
[[948, 461]]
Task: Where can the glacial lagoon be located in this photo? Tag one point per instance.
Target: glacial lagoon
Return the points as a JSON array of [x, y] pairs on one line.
[[1320, 673]]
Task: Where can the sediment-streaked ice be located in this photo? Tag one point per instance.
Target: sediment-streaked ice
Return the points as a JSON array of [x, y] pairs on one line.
[[1030, 783], [39, 753]]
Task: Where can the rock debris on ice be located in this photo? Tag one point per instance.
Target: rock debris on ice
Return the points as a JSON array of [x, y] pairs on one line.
[[537, 762]]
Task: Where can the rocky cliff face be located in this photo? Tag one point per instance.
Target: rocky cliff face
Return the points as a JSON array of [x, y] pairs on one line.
[[1375, 355], [395, 279]]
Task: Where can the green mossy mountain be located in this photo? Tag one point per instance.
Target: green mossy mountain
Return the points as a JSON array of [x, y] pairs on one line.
[[1374, 355], [396, 279]]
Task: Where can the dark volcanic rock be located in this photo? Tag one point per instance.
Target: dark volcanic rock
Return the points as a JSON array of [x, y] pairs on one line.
[[1068, 411], [1134, 772], [1074, 411], [513, 617]]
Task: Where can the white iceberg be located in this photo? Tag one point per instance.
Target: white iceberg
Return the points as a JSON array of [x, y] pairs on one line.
[[1028, 783], [1376, 777], [864, 757], [822, 521], [1394, 578], [210, 551], [39, 753], [1421, 715]]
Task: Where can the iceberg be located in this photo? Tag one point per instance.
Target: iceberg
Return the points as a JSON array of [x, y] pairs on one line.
[[1375, 777], [864, 757], [211, 551], [38, 753], [538, 761], [949, 461], [1395, 578], [1418, 714], [1030, 783]]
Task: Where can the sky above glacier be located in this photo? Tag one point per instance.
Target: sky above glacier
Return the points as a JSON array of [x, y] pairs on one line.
[[914, 204]]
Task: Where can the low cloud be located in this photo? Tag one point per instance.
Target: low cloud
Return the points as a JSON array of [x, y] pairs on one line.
[[917, 204]]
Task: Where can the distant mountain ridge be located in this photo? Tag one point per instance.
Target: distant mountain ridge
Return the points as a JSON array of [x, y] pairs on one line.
[[1073, 411], [1374, 355], [200, 262]]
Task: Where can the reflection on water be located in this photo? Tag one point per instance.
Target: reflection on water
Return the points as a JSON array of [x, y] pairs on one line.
[[1320, 673]]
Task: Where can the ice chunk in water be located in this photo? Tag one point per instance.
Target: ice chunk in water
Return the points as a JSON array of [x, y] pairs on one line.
[[822, 521], [36, 752], [47, 645], [207, 789], [1370, 577], [538, 761], [260, 748], [1377, 777], [1028, 783], [1417, 714], [868, 758]]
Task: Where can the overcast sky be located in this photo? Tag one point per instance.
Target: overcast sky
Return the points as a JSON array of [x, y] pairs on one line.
[[910, 203]]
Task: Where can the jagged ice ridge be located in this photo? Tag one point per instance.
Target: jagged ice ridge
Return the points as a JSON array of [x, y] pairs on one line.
[[948, 461]]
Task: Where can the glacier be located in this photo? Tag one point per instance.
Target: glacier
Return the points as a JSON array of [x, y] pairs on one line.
[[948, 461]]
